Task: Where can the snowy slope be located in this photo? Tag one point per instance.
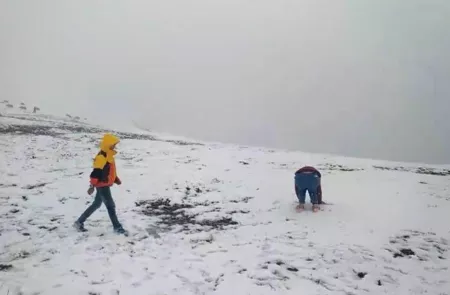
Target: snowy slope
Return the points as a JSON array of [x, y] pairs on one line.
[[213, 219]]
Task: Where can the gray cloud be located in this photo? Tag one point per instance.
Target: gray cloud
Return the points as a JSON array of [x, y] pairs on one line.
[[364, 78]]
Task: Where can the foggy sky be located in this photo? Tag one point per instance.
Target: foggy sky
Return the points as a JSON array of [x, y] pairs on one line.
[[361, 78]]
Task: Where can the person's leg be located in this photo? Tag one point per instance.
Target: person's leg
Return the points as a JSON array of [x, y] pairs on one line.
[[110, 206], [313, 196], [300, 188], [91, 209], [313, 185]]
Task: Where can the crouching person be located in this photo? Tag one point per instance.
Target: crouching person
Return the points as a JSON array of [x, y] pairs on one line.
[[307, 179], [103, 176]]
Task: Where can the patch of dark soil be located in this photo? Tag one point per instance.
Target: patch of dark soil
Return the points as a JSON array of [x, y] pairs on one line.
[[208, 239], [48, 228], [183, 143], [5, 267], [431, 171], [33, 186], [217, 223], [216, 180], [404, 252], [281, 263], [403, 169], [14, 211], [238, 211], [439, 248], [175, 214], [8, 185], [244, 163], [28, 129], [407, 252], [243, 200], [22, 255], [218, 280], [419, 170], [55, 131], [338, 167]]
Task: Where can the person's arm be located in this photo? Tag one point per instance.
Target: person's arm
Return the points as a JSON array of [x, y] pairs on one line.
[[97, 172]]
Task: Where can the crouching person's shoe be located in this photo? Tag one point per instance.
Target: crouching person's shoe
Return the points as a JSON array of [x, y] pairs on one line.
[[300, 207]]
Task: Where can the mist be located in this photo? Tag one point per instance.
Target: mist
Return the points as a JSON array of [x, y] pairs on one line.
[[355, 78]]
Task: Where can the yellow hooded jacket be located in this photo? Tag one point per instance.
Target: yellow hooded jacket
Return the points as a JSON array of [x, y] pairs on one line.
[[104, 173]]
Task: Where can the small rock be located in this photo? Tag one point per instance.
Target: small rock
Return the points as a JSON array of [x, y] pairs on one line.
[[23, 254], [26, 234], [25, 198], [242, 270], [14, 211], [361, 275], [5, 267], [379, 283], [293, 269]]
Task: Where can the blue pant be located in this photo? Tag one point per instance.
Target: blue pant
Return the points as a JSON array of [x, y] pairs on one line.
[[103, 196], [307, 182]]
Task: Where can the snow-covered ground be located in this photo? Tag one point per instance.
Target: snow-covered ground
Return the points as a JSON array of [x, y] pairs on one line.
[[213, 219]]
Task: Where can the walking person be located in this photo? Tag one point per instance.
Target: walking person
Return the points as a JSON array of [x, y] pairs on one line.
[[103, 176]]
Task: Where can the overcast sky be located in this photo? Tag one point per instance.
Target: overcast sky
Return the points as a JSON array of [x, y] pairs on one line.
[[360, 77]]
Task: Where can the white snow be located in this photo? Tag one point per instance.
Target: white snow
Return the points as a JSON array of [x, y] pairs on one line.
[[271, 250]]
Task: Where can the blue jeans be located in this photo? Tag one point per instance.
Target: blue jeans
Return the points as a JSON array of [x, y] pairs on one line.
[[103, 196], [307, 182]]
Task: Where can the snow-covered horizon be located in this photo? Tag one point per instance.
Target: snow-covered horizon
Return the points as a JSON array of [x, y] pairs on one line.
[[212, 218], [129, 125]]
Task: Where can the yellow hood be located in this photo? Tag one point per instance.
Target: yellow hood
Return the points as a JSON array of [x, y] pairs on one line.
[[107, 141]]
